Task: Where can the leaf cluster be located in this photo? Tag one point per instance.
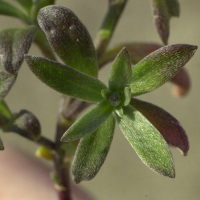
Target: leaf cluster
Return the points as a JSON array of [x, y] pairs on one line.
[[148, 128], [116, 102]]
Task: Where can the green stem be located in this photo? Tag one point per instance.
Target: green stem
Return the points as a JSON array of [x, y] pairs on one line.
[[107, 29]]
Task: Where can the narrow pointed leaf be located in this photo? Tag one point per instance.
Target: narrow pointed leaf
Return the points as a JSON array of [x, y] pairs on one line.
[[65, 79], [69, 38], [146, 141], [10, 10], [89, 122], [165, 123], [14, 43], [121, 73], [163, 10], [160, 66], [6, 82], [137, 52], [92, 151]]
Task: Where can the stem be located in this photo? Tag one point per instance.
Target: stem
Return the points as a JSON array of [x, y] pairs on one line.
[[108, 26], [61, 167], [60, 162], [72, 107], [68, 112], [41, 141], [46, 143]]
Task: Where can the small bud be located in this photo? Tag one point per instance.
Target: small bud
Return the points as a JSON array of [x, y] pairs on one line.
[[44, 152], [25, 124]]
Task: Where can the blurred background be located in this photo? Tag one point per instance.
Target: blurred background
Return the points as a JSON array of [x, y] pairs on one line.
[[123, 175]]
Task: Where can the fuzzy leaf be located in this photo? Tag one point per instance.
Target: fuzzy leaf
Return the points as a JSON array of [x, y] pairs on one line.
[[14, 43], [121, 74], [10, 10], [163, 10], [159, 66], [26, 4], [127, 95], [65, 79], [137, 52], [165, 123], [147, 141], [6, 82], [69, 38], [89, 122], [92, 151]]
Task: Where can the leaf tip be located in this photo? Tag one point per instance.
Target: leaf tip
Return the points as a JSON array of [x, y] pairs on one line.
[[77, 179], [64, 139], [27, 57]]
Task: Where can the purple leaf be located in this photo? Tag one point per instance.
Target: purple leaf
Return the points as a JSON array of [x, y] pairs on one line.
[[182, 83], [163, 10], [165, 123]]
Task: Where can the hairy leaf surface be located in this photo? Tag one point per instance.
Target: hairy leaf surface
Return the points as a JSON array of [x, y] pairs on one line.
[[146, 141], [65, 79]]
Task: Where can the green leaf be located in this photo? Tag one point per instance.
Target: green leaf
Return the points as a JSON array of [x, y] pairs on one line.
[[89, 122], [4, 110], [159, 67], [26, 4], [121, 74], [165, 123], [10, 10], [163, 10], [6, 82], [137, 52], [65, 79], [5, 113], [127, 95], [92, 151], [69, 38], [146, 141], [14, 43]]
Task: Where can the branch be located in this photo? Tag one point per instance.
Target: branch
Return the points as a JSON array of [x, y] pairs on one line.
[[106, 31]]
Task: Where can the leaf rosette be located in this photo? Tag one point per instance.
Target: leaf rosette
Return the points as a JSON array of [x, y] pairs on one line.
[[148, 128]]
